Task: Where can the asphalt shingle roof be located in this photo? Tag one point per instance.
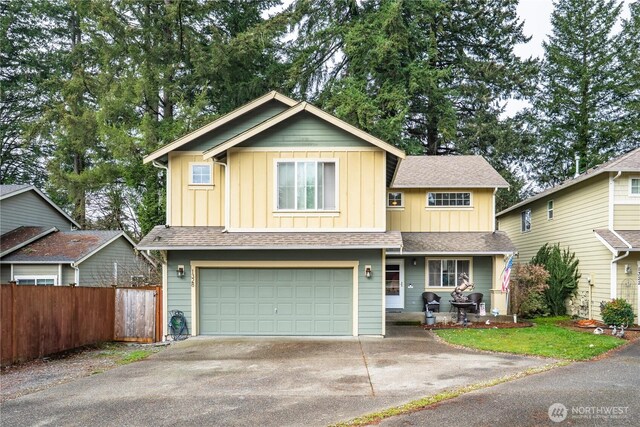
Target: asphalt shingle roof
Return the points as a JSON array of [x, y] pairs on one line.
[[162, 237], [457, 242], [21, 235], [62, 246], [632, 237], [11, 188], [628, 162], [447, 172]]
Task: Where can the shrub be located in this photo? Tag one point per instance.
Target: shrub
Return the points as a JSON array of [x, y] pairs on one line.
[[617, 312], [562, 266], [527, 286]]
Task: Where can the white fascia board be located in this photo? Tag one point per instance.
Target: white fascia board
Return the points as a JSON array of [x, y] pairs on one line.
[[36, 262], [613, 250], [268, 248], [427, 253]]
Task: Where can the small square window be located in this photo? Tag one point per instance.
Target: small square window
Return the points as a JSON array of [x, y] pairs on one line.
[[200, 174], [526, 220], [550, 209], [394, 200]]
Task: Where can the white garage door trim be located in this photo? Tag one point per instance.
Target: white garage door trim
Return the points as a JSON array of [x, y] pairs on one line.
[[195, 279]]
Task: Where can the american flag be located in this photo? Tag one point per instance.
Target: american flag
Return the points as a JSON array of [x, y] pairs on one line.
[[507, 275]]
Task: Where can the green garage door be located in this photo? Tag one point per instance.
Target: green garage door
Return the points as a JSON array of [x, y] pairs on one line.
[[274, 301]]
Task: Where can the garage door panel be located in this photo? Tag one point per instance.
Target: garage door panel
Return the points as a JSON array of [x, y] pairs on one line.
[[275, 301]]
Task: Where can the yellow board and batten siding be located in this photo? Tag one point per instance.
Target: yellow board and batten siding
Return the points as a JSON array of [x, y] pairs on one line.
[[415, 216], [194, 205], [577, 211], [360, 182]]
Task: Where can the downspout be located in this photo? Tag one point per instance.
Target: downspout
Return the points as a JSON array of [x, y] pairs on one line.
[[168, 184], [613, 275], [76, 275], [227, 208]]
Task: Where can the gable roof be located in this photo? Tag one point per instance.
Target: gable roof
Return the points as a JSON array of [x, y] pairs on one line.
[[21, 236], [8, 191], [298, 108], [628, 162], [447, 172], [619, 240], [218, 123]]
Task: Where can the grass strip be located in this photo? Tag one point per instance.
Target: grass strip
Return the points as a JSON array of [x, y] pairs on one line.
[[424, 402], [546, 338]]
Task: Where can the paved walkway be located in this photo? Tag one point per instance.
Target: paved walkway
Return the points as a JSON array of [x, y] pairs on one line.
[[264, 381], [604, 392]]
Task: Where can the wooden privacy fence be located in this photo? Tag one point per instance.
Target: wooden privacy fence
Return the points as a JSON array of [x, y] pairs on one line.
[[39, 320], [138, 315]]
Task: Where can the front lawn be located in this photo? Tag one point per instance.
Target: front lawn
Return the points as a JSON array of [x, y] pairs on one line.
[[544, 338]]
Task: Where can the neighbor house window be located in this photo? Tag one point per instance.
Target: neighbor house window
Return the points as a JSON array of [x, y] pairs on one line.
[[306, 185], [394, 200], [200, 174], [448, 199], [549, 211], [526, 220], [37, 280], [445, 272], [635, 186]]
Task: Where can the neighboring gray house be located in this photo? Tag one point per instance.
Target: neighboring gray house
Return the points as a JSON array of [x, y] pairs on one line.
[[40, 245]]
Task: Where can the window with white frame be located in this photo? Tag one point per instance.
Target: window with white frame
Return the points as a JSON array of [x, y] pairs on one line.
[[525, 220], [549, 210], [448, 199], [36, 280], [445, 272], [306, 185], [395, 200], [200, 174], [634, 186]]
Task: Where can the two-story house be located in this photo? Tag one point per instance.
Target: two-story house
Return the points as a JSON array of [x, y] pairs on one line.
[[284, 220], [597, 216], [41, 245]]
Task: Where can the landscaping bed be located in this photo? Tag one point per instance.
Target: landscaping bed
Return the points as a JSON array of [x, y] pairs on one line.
[[630, 333], [479, 325]]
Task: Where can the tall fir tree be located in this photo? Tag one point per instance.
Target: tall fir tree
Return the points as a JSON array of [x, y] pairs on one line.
[[630, 76], [580, 101]]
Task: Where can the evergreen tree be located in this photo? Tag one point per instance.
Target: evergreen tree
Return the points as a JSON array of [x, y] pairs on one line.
[[630, 76], [579, 103]]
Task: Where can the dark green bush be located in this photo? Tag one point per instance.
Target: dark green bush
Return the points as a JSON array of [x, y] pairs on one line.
[[617, 312], [528, 283], [562, 266], [534, 306]]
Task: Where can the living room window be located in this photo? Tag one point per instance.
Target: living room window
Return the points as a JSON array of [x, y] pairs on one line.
[[200, 174], [305, 185], [525, 221], [448, 199], [445, 272], [395, 200]]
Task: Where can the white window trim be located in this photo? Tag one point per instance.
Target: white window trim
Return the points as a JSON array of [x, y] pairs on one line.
[[551, 211], [449, 207], [522, 230], [199, 184], [401, 205], [428, 286], [336, 161], [35, 278], [631, 178]]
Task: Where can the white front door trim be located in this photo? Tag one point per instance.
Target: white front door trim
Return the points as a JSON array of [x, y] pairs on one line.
[[395, 301]]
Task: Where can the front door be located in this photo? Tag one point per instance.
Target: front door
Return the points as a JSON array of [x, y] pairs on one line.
[[394, 283]]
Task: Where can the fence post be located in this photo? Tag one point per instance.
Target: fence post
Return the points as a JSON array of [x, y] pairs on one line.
[[14, 334]]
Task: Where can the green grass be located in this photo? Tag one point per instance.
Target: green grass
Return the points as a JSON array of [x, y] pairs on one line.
[[546, 338]]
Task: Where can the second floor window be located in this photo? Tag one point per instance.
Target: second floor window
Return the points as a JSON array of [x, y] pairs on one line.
[[525, 217], [549, 210], [635, 186], [306, 185], [448, 199]]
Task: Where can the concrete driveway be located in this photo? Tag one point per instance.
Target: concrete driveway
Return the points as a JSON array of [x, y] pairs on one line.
[[265, 381]]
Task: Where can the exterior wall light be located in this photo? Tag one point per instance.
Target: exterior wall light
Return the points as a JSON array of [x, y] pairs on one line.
[[414, 262], [367, 271], [180, 271]]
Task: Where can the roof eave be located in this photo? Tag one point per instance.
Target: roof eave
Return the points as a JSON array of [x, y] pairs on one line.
[[28, 241], [257, 247], [446, 186], [446, 253]]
